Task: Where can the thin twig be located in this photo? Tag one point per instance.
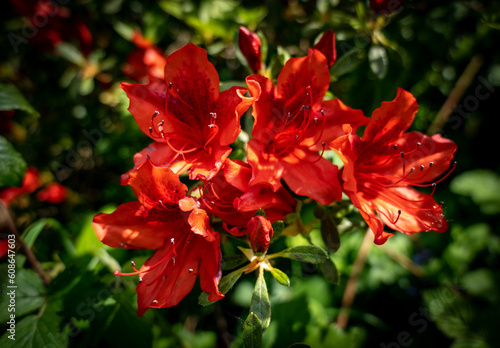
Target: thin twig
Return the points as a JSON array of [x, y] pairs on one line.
[[19, 240], [403, 260], [352, 282], [456, 94]]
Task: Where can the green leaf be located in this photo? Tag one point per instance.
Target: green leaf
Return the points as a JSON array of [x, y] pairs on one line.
[[482, 186], [377, 56], [304, 253], [278, 227], [225, 284], [252, 332], [12, 165], [71, 54], [280, 276], [260, 304], [330, 271], [232, 261], [29, 293], [32, 232], [330, 233], [36, 331], [347, 63], [12, 99]]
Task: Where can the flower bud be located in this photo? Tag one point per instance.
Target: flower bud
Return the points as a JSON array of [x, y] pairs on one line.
[[249, 44], [260, 232], [326, 45]]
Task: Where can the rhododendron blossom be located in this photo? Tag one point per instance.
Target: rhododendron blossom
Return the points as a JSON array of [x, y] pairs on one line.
[[147, 60], [381, 167], [229, 197], [166, 220], [192, 123], [293, 124]]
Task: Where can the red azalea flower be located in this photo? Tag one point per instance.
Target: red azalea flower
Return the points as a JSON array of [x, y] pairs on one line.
[[326, 45], [385, 6], [52, 24], [167, 220], [229, 197], [292, 124], [381, 167], [147, 60], [53, 193], [31, 182], [186, 114], [249, 44]]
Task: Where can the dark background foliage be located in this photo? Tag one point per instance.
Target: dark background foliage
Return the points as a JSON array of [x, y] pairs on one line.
[[425, 290]]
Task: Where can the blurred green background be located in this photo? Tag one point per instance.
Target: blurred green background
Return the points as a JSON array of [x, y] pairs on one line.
[[426, 290]]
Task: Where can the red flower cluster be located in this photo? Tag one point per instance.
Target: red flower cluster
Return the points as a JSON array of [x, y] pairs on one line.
[[51, 193], [193, 125]]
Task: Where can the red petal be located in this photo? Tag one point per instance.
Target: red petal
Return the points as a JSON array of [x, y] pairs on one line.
[[160, 154], [267, 112], [153, 184], [144, 101], [310, 177], [336, 115], [193, 88], [300, 73], [132, 226], [267, 169], [230, 107], [391, 120], [208, 164], [168, 283], [238, 174]]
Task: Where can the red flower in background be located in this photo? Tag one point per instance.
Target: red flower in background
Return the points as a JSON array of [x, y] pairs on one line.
[[147, 60], [52, 24], [168, 221], [31, 182], [326, 45], [250, 44], [292, 124], [229, 197], [192, 123], [53, 193], [381, 167], [385, 6]]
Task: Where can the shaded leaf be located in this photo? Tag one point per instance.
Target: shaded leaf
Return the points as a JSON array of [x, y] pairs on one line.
[[37, 331], [252, 332], [29, 294], [232, 261], [12, 99], [278, 227], [305, 253], [260, 304], [347, 63], [330, 233], [12, 165], [330, 271], [225, 284]]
